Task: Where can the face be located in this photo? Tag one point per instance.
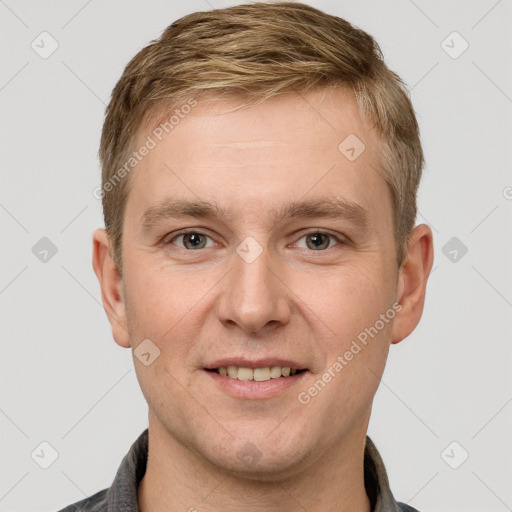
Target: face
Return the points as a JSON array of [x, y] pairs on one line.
[[241, 284]]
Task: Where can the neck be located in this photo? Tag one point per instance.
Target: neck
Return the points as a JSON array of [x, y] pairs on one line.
[[178, 479]]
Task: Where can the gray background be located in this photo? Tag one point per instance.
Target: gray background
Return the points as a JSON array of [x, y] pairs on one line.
[[63, 380]]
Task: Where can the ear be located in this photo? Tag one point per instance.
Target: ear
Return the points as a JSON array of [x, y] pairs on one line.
[[412, 282], [111, 284]]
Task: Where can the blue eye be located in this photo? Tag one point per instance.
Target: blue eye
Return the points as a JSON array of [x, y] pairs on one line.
[[315, 241], [318, 240], [191, 240]]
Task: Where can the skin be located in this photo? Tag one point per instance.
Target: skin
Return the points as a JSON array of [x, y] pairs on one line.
[[293, 301]]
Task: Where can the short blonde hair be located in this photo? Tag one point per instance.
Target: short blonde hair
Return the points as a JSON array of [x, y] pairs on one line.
[[258, 51]]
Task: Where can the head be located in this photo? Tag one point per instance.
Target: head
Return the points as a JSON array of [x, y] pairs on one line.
[[292, 155]]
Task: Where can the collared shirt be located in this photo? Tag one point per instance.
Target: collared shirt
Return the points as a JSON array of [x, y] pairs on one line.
[[121, 496]]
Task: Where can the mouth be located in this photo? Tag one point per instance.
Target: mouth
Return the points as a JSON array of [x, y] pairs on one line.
[[255, 379], [262, 374]]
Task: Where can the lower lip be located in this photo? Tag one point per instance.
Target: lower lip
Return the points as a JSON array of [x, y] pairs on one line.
[[253, 389]]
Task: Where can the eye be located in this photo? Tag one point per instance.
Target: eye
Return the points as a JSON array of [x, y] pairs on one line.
[[319, 240], [191, 240]]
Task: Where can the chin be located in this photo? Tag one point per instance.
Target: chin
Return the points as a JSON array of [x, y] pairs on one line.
[[263, 459]]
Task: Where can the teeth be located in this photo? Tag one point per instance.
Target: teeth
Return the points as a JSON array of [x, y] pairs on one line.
[[245, 374], [275, 372], [258, 374]]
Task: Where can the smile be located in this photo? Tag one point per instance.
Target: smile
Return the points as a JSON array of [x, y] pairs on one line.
[[255, 380], [257, 374]]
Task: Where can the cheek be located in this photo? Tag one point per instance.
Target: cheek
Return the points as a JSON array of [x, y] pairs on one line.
[[161, 296], [350, 303], [343, 300], [160, 309]]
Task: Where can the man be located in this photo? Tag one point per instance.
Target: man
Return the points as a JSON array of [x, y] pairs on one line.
[[260, 169]]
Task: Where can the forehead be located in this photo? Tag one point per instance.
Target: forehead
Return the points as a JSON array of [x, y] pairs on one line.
[[254, 158], [316, 120]]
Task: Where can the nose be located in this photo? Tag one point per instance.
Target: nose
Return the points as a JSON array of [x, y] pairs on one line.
[[254, 296]]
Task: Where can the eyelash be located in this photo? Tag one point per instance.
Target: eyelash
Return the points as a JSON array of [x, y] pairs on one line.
[[340, 241]]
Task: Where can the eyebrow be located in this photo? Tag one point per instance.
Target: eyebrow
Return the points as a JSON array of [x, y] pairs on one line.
[[329, 207]]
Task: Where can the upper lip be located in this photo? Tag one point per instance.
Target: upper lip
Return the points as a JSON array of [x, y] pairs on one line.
[[254, 363]]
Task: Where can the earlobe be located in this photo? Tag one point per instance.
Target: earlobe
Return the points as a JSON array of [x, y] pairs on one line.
[[412, 282], [112, 293]]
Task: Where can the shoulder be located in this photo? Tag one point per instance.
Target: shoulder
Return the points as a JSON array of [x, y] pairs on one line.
[[95, 503], [406, 508]]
